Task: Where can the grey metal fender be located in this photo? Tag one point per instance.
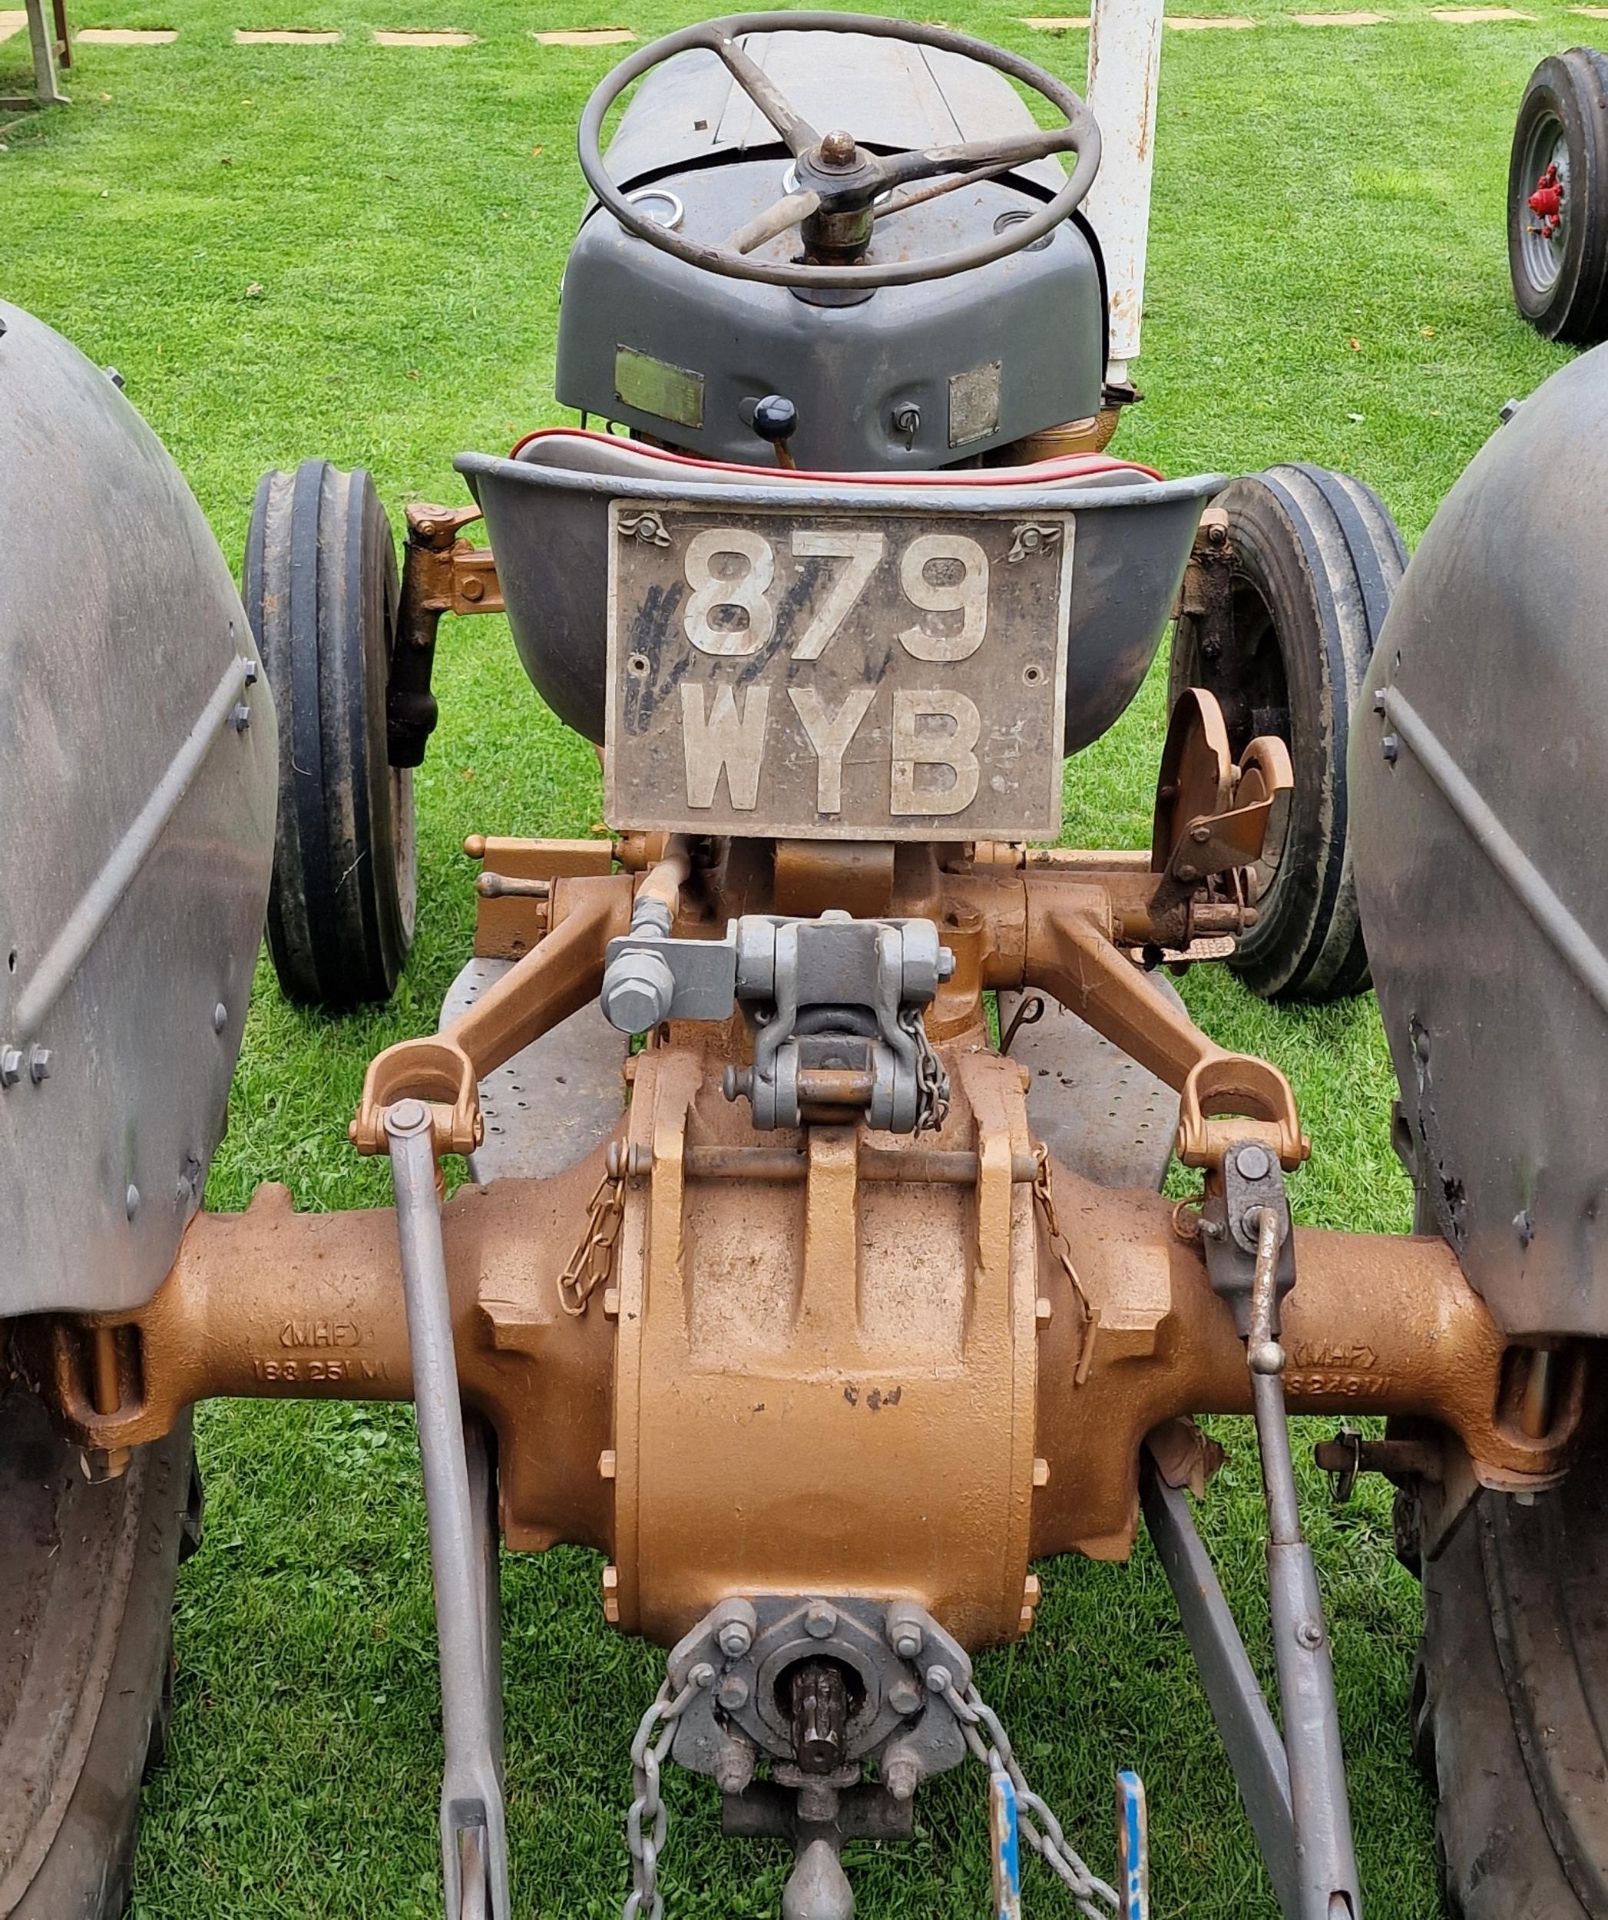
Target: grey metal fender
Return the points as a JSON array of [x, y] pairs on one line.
[[1479, 784], [137, 777]]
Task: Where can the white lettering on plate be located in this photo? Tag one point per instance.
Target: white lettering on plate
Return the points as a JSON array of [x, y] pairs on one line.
[[730, 740], [918, 744], [829, 735]]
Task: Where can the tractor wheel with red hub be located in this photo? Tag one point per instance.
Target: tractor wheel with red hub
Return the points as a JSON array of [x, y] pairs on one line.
[[1295, 596], [1558, 199]]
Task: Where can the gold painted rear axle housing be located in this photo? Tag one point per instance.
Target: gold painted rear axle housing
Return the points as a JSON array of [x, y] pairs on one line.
[[828, 1359]]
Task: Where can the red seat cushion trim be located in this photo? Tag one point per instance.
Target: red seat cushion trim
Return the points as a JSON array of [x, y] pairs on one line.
[[1071, 466]]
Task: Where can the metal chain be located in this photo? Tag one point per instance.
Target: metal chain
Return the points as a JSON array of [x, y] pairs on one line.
[[932, 1083], [593, 1259], [1044, 1196], [1038, 1826], [647, 1823]]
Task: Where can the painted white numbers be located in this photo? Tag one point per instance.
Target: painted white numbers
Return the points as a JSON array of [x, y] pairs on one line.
[[940, 574], [945, 573], [744, 592], [863, 551]]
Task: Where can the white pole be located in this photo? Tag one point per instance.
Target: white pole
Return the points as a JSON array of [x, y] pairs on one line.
[[1124, 74]]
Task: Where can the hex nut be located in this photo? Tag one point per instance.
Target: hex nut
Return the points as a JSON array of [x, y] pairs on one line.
[[734, 1639], [732, 1693], [637, 991], [905, 1697], [10, 1066], [820, 1620]]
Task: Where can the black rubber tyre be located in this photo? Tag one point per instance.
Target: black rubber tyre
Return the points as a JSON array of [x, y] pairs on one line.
[[1510, 1705], [321, 592], [1314, 560], [1560, 268], [86, 1617]]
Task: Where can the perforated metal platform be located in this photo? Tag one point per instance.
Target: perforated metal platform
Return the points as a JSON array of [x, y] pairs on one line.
[[1100, 1114]]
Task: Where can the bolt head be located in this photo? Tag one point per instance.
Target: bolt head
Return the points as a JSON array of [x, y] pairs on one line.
[[637, 991], [100, 1464], [1201, 834], [1267, 1357], [10, 1066], [38, 1064], [1252, 1162], [905, 1697], [1188, 874], [732, 1693], [131, 1200], [820, 1620], [220, 1017], [240, 717], [735, 1639], [901, 1775], [1390, 746], [734, 1766], [407, 1115]]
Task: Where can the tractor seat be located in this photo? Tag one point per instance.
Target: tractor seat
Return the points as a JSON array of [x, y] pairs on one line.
[[547, 513]]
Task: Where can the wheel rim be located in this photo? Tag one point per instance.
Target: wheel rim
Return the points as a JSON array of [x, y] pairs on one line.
[[1542, 241], [1259, 703], [405, 847]]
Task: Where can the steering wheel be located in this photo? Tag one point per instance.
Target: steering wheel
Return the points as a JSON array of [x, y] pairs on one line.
[[842, 190]]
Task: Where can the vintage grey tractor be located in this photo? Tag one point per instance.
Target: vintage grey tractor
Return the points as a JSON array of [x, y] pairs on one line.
[[812, 1265]]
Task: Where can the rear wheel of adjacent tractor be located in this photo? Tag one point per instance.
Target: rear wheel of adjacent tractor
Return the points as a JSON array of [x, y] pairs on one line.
[[1510, 1703], [1313, 558], [86, 1638], [321, 591], [1558, 199]]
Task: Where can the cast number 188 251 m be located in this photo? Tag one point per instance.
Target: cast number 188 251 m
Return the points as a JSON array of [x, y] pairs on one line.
[[732, 612]]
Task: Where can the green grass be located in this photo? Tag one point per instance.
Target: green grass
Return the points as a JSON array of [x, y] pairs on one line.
[[355, 253]]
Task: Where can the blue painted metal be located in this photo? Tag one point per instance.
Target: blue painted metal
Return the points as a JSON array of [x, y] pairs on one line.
[[1133, 1847], [1006, 1853]]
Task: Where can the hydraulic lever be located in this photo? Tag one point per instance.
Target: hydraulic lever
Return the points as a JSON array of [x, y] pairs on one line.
[[474, 1840], [1294, 1787]]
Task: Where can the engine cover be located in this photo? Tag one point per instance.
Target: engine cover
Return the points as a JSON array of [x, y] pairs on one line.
[[138, 742], [909, 377], [1477, 774]]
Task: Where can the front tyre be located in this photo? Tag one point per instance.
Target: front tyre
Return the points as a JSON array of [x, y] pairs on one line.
[[321, 592], [1313, 558], [1557, 215]]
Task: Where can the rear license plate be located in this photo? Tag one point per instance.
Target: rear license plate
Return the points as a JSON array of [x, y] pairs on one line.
[[865, 675]]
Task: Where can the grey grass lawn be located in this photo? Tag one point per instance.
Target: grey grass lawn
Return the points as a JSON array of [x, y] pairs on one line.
[[354, 251]]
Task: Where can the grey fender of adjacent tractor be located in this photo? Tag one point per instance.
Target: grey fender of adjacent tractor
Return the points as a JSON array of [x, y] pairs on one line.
[[1304, 577], [1557, 200], [1478, 759], [135, 728]]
